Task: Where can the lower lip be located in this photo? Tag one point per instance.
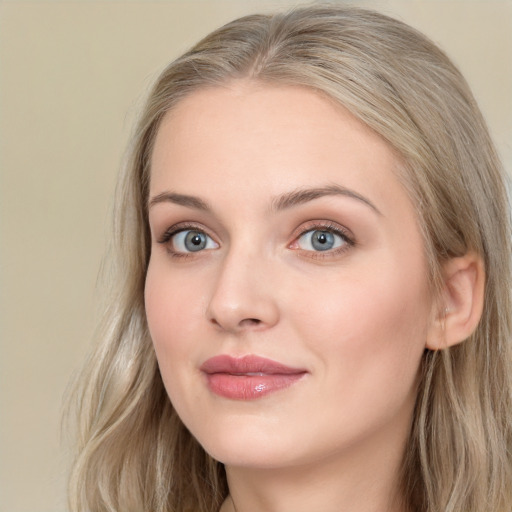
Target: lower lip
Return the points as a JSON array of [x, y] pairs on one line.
[[249, 387]]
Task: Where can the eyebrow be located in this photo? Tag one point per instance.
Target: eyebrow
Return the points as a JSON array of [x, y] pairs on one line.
[[302, 196], [279, 203], [180, 199]]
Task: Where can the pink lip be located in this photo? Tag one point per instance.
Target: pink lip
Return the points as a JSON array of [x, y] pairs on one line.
[[248, 377]]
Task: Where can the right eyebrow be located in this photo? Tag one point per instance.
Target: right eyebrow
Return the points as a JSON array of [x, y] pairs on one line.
[[180, 199]]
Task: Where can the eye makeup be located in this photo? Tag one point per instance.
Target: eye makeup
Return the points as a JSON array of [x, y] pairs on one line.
[[317, 239], [332, 239], [186, 240]]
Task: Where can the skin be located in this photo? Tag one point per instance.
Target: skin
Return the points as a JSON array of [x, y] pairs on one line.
[[357, 317]]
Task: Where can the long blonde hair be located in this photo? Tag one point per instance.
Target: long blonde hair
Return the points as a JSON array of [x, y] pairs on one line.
[[134, 454]]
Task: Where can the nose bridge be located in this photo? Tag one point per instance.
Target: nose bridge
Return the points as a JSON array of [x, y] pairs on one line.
[[243, 296]]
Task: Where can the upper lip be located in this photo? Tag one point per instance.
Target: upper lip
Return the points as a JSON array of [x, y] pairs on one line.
[[249, 364]]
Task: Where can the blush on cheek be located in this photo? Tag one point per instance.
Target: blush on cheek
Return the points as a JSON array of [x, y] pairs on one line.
[[378, 319], [162, 299], [160, 313], [172, 318]]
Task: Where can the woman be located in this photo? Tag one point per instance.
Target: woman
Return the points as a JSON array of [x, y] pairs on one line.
[[310, 302]]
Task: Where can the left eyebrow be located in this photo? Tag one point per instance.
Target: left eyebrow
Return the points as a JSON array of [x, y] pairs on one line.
[[302, 196]]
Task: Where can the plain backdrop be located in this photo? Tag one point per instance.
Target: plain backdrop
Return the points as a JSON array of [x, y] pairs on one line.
[[71, 74]]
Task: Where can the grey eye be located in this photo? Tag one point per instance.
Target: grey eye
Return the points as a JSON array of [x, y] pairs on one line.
[[190, 240], [320, 240]]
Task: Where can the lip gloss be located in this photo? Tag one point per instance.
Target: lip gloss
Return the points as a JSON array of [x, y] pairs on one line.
[[249, 377]]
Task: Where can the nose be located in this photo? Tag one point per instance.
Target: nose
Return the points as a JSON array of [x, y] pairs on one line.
[[244, 295]]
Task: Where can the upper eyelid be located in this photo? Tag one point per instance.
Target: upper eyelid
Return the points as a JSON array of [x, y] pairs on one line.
[[325, 225], [304, 227], [333, 230], [180, 227]]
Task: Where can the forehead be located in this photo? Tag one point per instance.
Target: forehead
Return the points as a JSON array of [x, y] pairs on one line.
[[265, 139]]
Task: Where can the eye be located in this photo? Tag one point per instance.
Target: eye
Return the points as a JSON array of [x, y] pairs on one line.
[[321, 240], [190, 240]]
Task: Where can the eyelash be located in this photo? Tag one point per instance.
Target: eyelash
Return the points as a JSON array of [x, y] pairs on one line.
[[308, 227], [174, 230], [329, 227]]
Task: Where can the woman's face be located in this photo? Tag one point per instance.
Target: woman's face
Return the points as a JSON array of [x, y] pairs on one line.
[[287, 293]]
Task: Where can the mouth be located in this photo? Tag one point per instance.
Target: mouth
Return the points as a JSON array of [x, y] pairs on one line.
[[249, 377]]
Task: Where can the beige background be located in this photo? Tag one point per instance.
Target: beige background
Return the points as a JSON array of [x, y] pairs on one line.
[[71, 73]]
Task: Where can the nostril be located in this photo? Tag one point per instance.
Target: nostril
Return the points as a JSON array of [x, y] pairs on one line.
[[250, 322], [245, 323]]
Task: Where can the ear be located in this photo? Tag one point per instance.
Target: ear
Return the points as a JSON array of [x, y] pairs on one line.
[[461, 303]]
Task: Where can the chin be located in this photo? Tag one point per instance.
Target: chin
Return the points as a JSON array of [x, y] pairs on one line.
[[246, 446], [254, 458]]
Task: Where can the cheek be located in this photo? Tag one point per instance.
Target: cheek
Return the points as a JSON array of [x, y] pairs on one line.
[[373, 325], [172, 311], [368, 339]]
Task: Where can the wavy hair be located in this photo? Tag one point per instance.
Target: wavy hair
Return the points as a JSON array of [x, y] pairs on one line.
[[134, 453]]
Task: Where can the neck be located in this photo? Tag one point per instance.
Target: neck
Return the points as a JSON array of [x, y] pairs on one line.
[[354, 482]]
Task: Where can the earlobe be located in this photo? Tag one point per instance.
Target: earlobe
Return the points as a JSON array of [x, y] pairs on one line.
[[463, 300]]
